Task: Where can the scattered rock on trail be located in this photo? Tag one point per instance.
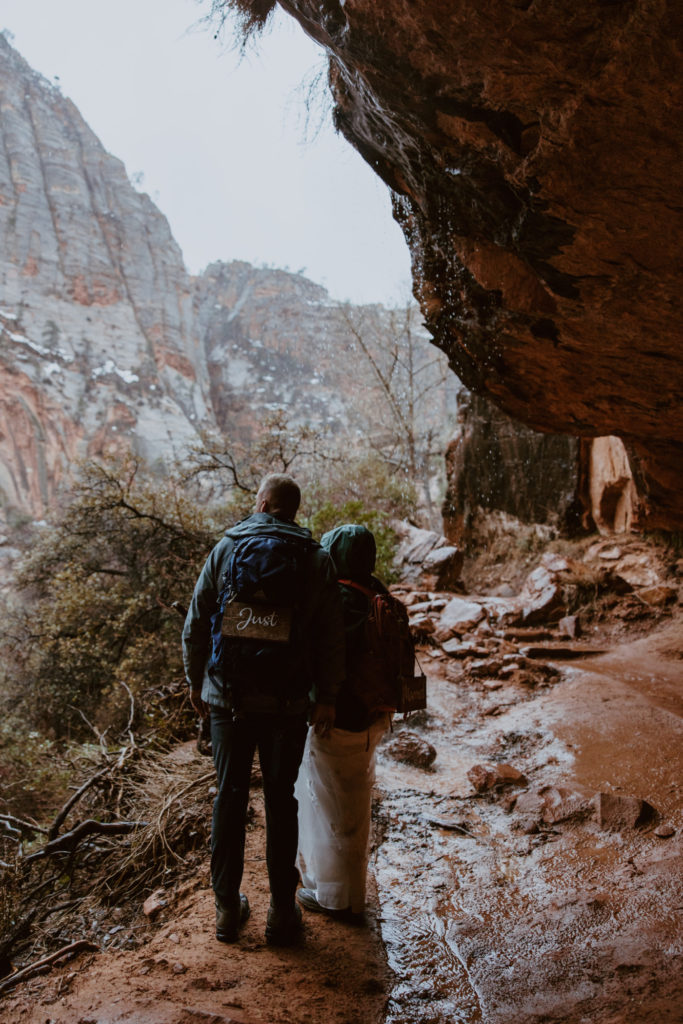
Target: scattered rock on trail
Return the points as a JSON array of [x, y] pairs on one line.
[[570, 626], [620, 812], [409, 748], [442, 567], [422, 627], [657, 596], [541, 596], [154, 903], [457, 648], [665, 832], [410, 598], [549, 805], [485, 777]]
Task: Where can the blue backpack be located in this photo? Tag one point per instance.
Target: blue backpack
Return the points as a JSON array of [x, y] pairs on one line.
[[258, 648]]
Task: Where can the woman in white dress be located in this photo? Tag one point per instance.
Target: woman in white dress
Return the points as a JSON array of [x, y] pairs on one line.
[[334, 788]]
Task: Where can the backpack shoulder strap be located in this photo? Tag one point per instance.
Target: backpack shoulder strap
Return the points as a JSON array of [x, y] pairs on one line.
[[358, 586]]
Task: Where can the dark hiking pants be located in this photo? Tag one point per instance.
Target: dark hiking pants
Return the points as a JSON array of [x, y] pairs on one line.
[[280, 741]]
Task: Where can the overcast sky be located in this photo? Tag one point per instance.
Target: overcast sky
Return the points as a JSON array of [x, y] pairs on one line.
[[221, 141]]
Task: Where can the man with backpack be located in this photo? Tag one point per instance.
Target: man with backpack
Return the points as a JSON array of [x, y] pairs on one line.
[[263, 644]]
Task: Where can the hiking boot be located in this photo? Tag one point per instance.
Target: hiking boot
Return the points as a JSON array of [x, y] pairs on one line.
[[284, 927], [309, 900], [229, 919]]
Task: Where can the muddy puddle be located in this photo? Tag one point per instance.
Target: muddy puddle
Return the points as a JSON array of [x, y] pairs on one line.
[[489, 915]]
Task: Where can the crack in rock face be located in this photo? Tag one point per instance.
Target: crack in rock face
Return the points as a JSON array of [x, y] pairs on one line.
[[533, 151]]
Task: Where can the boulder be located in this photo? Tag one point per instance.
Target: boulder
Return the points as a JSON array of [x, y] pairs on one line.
[[550, 805], [658, 596], [432, 605], [421, 627], [442, 567], [425, 558], [557, 563], [486, 669], [637, 569], [570, 626], [457, 648], [613, 495], [503, 611], [541, 597], [560, 803], [409, 748], [458, 616]]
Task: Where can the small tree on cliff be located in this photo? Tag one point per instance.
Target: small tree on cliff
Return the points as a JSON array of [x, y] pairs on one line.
[[408, 399], [237, 466]]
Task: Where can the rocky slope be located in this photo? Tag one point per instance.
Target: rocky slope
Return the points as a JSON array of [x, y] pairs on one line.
[[108, 345], [534, 153]]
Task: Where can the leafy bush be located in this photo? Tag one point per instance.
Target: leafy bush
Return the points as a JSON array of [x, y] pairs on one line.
[[327, 516]]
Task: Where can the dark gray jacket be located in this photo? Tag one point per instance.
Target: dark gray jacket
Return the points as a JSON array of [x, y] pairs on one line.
[[321, 612]]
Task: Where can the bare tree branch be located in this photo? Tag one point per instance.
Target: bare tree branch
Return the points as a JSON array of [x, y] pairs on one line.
[[37, 966], [70, 840]]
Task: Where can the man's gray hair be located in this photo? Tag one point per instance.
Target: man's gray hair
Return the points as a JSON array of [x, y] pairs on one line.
[[282, 493]]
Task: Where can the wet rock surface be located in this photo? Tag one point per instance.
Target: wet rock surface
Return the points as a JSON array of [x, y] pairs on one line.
[[523, 905]]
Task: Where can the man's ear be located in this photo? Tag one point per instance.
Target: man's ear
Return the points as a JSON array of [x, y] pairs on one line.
[[261, 504]]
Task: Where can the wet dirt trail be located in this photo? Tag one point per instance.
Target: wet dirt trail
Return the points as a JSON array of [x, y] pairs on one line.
[[488, 912], [508, 907]]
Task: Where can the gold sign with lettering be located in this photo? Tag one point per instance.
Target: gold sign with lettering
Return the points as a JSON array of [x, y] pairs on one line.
[[412, 693], [257, 621]]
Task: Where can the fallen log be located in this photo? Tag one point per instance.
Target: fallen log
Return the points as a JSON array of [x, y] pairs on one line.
[[37, 966], [70, 840]]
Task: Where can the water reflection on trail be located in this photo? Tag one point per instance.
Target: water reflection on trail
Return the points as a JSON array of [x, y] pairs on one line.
[[488, 920], [419, 899]]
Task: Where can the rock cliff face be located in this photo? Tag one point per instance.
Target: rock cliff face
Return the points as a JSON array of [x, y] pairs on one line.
[[97, 348], [494, 462], [534, 153], [275, 340]]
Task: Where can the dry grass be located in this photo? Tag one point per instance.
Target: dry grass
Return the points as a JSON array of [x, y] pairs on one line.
[[61, 895], [173, 799], [251, 16]]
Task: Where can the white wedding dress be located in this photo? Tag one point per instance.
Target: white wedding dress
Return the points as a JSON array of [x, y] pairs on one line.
[[334, 791]]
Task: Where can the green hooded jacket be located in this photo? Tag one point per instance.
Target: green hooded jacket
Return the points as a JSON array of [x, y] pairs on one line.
[[354, 552]]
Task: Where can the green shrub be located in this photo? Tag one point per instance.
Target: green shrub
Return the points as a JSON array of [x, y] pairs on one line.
[[98, 590], [327, 516]]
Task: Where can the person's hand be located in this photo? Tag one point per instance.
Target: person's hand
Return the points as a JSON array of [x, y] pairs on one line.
[[200, 706], [322, 718]]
